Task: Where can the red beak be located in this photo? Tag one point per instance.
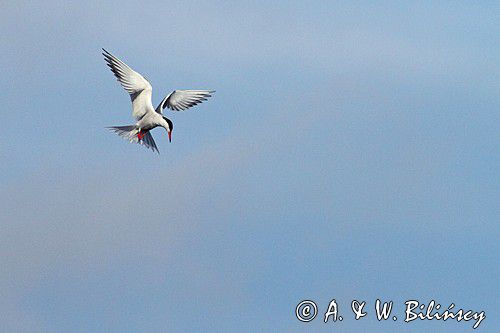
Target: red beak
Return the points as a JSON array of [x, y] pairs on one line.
[[170, 136]]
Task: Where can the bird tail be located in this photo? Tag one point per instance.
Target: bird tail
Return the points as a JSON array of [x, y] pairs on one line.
[[127, 132], [130, 132]]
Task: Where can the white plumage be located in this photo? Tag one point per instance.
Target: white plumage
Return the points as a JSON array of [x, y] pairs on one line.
[[146, 116]]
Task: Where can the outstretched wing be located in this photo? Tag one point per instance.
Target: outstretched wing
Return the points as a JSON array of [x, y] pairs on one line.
[[133, 82], [180, 100]]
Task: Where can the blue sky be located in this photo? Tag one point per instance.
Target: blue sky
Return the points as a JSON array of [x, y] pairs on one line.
[[351, 152]]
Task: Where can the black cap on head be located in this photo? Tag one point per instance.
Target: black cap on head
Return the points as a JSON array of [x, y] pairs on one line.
[[170, 124]]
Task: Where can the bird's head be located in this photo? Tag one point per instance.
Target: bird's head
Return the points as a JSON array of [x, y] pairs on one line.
[[169, 126]]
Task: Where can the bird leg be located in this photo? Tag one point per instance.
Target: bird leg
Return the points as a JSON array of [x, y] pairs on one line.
[[140, 135]]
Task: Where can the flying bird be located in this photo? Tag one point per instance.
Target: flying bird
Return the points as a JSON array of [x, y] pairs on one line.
[[146, 116]]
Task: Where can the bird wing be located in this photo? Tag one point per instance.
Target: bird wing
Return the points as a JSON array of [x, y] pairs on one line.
[[180, 100], [133, 82]]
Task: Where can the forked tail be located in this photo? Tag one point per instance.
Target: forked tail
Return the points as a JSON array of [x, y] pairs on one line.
[[131, 134]]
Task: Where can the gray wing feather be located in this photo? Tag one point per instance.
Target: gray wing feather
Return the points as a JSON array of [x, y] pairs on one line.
[[180, 100], [130, 80]]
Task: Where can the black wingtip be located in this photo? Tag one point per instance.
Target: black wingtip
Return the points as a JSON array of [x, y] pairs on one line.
[[107, 55]]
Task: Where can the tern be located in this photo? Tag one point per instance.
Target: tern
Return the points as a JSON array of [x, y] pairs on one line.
[[146, 116]]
